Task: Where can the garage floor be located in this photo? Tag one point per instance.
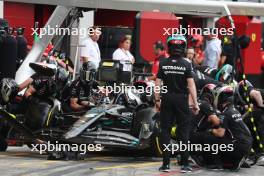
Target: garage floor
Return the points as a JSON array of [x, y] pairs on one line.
[[20, 161]]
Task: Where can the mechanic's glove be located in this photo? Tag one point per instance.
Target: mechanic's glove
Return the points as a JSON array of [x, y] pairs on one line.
[[157, 105]]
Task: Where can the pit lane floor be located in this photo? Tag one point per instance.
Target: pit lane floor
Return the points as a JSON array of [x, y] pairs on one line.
[[20, 161]]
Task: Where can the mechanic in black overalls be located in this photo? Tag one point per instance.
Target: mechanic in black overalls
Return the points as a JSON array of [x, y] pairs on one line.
[[200, 78], [233, 131], [80, 90], [202, 121], [176, 74], [200, 134]]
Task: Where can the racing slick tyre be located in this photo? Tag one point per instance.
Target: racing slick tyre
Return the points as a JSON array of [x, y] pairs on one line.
[[146, 115], [3, 144], [156, 144]]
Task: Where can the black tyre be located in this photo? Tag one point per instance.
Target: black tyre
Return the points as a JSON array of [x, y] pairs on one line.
[[156, 144], [143, 114]]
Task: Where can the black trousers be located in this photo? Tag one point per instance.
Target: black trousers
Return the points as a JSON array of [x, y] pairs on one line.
[[229, 159], [175, 109]]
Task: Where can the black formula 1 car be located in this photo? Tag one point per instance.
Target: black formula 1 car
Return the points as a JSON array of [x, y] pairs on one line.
[[130, 125], [111, 125]]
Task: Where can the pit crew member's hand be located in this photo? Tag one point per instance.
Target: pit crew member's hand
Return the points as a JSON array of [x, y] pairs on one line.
[[157, 105], [219, 132], [85, 103], [195, 109]]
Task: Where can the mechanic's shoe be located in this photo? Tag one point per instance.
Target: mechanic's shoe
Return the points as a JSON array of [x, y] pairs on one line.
[[164, 168], [215, 167], [245, 165], [186, 169], [260, 161], [235, 167]]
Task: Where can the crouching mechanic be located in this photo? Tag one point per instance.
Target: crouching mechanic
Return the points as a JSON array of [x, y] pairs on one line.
[[80, 89], [202, 121], [40, 86], [206, 119], [229, 132], [233, 131], [176, 74]]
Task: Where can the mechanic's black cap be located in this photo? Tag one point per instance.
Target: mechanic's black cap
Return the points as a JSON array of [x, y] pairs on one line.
[[244, 41], [159, 45], [3, 23]]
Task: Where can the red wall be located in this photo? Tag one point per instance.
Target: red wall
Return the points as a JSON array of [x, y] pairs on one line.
[[25, 15], [252, 54], [151, 29], [105, 17], [42, 14], [20, 15], [253, 29]]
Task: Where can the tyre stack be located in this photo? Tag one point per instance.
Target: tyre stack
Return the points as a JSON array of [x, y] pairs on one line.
[[21, 46]]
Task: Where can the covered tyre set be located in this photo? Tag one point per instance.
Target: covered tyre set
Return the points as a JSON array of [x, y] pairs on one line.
[[13, 49], [21, 46]]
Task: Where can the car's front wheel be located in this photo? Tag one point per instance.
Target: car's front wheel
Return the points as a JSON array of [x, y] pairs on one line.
[[156, 142]]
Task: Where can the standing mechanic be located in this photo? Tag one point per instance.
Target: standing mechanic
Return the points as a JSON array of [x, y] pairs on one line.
[[176, 74], [160, 53], [80, 90]]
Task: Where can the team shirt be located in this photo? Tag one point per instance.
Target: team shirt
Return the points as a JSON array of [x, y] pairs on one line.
[[174, 73], [201, 121], [236, 129]]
